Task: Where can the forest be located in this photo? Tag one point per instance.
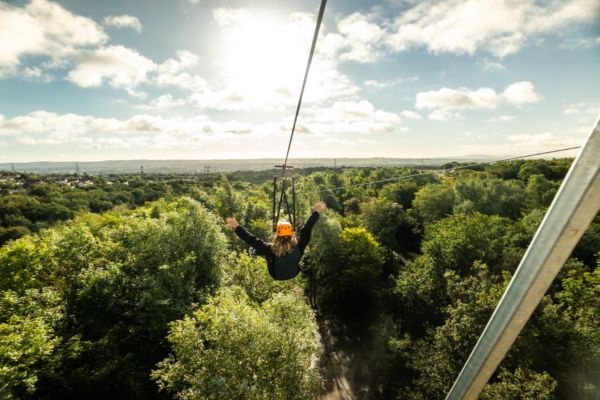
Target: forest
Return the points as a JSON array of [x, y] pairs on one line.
[[132, 287]]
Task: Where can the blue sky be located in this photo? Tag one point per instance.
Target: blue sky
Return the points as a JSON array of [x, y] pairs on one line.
[[182, 79]]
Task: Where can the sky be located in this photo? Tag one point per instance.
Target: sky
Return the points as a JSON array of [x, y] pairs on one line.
[[85, 80]]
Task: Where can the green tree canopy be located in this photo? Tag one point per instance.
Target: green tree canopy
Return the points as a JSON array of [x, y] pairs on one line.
[[233, 349]]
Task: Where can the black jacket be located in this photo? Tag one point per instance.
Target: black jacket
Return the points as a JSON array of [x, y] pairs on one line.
[[264, 248]]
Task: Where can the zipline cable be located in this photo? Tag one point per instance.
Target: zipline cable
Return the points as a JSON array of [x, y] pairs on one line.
[[310, 57], [397, 178], [287, 154]]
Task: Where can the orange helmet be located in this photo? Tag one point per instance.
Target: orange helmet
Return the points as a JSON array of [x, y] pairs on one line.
[[284, 228]]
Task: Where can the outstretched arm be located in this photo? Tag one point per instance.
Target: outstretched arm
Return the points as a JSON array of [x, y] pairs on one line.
[[261, 247], [305, 231]]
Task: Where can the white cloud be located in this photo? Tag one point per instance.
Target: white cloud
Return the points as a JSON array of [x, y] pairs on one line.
[[446, 98], [545, 140], [443, 115], [361, 39], [36, 74], [232, 16], [489, 65], [500, 27], [523, 143], [42, 127], [515, 94], [353, 129], [411, 114], [520, 93], [583, 108], [163, 102], [502, 118], [385, 84], [355, 111], [185, 59], [43, 28], [580, 41], [119, 66], [167, 101], [351, 117], [157, 132], [561, 13], [123, 21], [585, 113], [125, 68], [458, 26], [172, 72], [226, 100]]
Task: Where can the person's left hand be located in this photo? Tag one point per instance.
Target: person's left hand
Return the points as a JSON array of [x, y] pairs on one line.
[[320, 206], [231, 222]]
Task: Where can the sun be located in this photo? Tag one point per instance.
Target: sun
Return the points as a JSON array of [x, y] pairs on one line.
[[264, 57]]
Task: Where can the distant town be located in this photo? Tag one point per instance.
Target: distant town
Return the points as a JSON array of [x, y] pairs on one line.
[[102, 168]]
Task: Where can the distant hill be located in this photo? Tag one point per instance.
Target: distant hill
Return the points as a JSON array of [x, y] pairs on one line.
[[202, 166]]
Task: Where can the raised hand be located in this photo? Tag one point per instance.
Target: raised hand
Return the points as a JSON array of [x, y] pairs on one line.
[[231, 222], [320, 206]]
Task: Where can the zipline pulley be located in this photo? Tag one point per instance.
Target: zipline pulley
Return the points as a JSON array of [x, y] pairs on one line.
[[288, 208]]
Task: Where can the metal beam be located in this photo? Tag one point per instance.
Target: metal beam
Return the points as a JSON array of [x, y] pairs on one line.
[[574, 207]]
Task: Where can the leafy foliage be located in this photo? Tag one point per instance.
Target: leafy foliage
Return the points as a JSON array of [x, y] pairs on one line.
[[232, 348], [520, 384], [28, 339], [122, 279], [118, 286]]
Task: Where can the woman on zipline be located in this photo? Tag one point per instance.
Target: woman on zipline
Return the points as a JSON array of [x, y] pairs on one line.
[[283, 254]]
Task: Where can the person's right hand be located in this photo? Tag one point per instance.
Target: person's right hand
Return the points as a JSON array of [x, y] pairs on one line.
[[320, 206], [231, 222]]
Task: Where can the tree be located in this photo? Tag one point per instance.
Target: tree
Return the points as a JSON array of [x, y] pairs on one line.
[[489, 196], [587, 247], [437, 358], [433, 202], [323, 249], [122, 280], [420, 291], [227, 201], [257, 217], [505, 170], [535, 167], [570, 325], [12, 233], [401, 193], [26, 263], [352, 206], [156, 271], [456, 242], [388, 222], [252, 275], [520, 384], [349, 281], [232, 348], [28, 339], [540, 191]]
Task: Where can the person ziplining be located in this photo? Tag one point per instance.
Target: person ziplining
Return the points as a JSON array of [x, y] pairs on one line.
[[284, 253]]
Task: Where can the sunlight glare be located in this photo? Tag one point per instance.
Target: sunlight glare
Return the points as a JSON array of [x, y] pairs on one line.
[[265, 57]]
